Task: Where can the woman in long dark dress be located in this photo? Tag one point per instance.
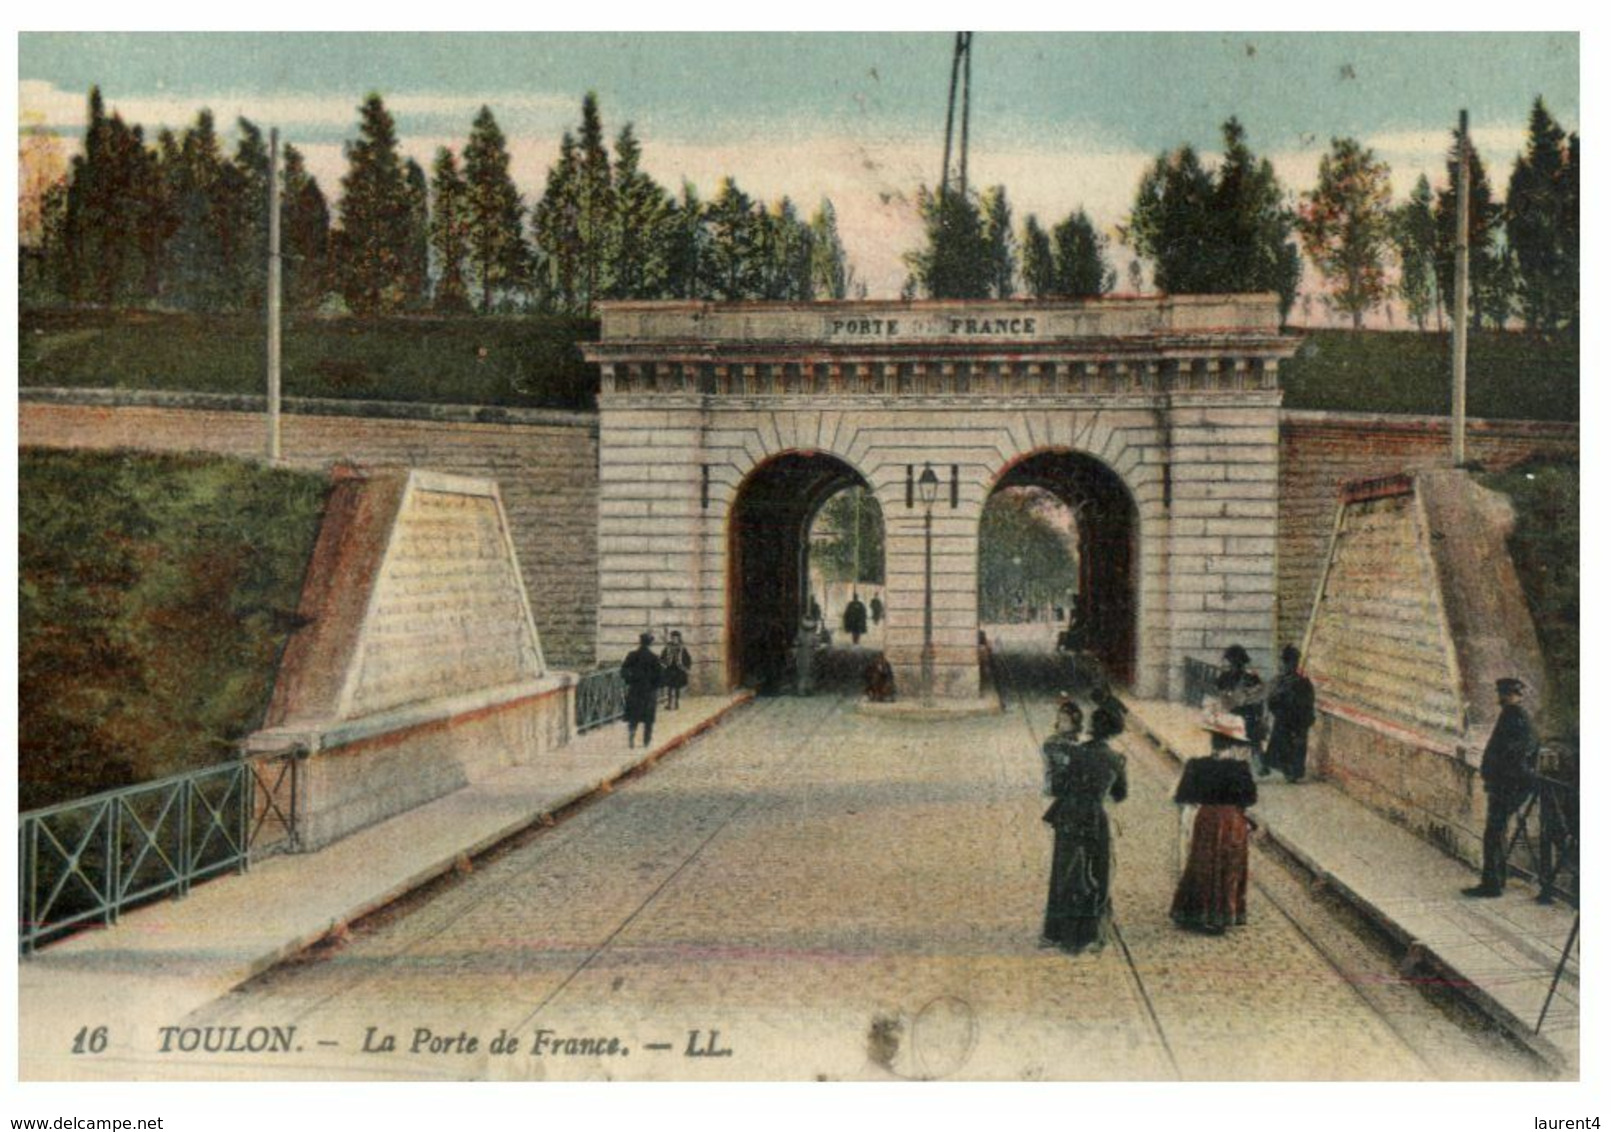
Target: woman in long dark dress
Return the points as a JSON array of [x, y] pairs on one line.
[[1212, 893], [1079, 904]]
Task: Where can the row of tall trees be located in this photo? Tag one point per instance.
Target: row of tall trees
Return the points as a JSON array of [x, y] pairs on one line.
[[180, 224], [177, 222], [1233, 228], [1523, 250]]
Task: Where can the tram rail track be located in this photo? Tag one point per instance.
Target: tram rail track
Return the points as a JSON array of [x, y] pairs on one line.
[[1015, 694]]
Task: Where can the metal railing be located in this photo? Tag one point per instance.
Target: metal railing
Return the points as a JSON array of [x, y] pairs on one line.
[[1200, 676], [89, 860], [600, 699]]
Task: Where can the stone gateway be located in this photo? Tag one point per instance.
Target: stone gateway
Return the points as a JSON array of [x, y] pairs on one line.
[[724, 427]]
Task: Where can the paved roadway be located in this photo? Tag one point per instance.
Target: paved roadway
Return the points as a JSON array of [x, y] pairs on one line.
[[827, 895]]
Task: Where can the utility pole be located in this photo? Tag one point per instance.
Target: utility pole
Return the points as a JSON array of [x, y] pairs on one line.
[[273, 303], [961, 63], [1462, 281]]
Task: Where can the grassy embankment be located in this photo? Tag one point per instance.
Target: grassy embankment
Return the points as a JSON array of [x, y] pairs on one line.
[[481, 361], [534, 361], [155, 596]]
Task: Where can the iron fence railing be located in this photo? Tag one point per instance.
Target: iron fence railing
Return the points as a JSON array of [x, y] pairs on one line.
[[87, 861], [600, 699], [1199, 680]]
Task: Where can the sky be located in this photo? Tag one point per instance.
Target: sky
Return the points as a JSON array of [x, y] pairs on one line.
[[1063, 120]]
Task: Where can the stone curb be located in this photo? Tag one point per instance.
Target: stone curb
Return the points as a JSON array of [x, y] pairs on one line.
[[1416, 951], [428, 873], [114, 397]]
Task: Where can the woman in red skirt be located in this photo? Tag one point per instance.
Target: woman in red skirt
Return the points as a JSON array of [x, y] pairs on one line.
[[1212, 894]]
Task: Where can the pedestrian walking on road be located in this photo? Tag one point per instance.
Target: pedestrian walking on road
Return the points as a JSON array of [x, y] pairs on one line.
[[675, 664], [1292, 707], [640, 671], [1212, 893], [1079, 901], [855, 621], [1509, 764], [1241, 692]]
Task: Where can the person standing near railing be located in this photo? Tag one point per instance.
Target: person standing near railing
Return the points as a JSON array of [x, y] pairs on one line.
[[675, 664], [1508, 766], [640, 671]]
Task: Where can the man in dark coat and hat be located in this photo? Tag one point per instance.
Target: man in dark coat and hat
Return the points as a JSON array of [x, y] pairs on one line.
[[1292, 707], [640, 671], [855, 620], [1508, 766]]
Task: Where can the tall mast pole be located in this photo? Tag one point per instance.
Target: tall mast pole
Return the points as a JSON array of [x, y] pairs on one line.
[[273, 303], [1462, 281], [950, 115], [965, 45]]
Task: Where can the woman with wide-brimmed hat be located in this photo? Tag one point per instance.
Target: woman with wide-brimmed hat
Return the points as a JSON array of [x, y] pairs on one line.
[[1212, 893]]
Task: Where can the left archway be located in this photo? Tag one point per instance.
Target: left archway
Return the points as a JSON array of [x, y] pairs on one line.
[[768, 543]]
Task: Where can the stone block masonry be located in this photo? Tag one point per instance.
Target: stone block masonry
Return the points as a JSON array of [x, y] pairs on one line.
[[1322, 451], [1126, 407], [417, 668], [544, 462]]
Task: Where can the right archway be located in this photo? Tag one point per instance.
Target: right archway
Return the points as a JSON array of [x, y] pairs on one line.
[[1106, 522]]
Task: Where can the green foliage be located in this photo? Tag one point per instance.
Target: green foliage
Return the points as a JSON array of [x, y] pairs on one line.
[[1545, 547], [519, 361], [155, 596], [958, 260], [847, 538], [1415, 235], [1345, 222], [640, 253], [1040, 270], [1508, 374], [1216, 233], [450, 233], [376, 219], [1490, 278], [1024, 560], [499, 257], [995, 215], [831, 275], [1541, 224], [304, 235], [1079, 270]]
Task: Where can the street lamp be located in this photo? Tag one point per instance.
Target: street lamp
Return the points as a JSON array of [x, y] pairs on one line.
[[928, 488]]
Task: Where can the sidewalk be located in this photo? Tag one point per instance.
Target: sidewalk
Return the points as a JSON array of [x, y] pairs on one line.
[[1501, 953], [164, 960]]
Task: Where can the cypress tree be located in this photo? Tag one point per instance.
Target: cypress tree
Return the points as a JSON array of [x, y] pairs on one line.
[[1541, 221], [830, 272], [1039, 277], [373, 240], [1079, 270], [494, 213], [304, 234], [449, 232], [1415, 235]]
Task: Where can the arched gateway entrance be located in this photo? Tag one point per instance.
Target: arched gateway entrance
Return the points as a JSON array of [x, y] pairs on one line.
[[723, 427], [1105, 519], [767, 555]]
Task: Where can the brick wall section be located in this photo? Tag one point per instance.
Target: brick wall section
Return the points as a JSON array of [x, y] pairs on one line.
[[1322, 451], [545, 464]]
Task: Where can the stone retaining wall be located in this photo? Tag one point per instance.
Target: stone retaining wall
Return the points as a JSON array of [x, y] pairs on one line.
[[545, 463], [1322, 451]]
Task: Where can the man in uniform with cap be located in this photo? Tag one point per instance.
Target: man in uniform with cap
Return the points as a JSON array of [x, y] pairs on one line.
[[1508, 763]]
